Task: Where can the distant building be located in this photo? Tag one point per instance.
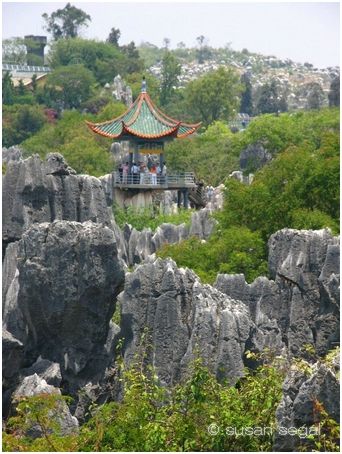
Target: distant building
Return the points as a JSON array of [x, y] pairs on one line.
[[25, 73], [35, 63], [35, 49]]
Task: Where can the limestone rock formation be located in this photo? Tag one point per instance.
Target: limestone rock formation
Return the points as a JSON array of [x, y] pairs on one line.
[[253, 157], [181, 318], [13, 153], [35, 191], [68, 275], [300, 306], [304, 396]]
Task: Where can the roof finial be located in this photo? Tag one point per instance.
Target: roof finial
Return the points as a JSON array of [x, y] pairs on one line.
[[143, 85]]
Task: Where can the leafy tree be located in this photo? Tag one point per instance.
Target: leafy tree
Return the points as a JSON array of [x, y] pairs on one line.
[[171, 69], [212, 155], [114, 36], [334, 93], [133, 62], [21, 88], [203, 52], [7, 88], [246, 105], [85, 151], [269, 99], [103, 59], [66, 22], [72, 85], [34, 83], [214, 96], [166, 43], [315, 96], [14, 51], [21, 122]]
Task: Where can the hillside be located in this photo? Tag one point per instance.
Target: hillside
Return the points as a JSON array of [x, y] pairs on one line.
[[293, 78]]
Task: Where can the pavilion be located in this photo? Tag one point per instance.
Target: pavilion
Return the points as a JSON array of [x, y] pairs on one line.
[[147, 129]]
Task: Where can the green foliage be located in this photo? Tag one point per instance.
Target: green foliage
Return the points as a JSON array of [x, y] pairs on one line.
[[21, 122], [228, 250], [148, 217], [103, 59], [66, 22], [269, 99], [114, 36], [334, 93], [70, 136], [151, 418], [214, 96], [299, 188], [212, 155], [201, 413], [72, 85], [41, 412], [246, 105], [304, 218], [7, 89], [314, 95], [171, 69]]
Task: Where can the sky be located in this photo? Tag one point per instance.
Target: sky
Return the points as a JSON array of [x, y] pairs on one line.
[[301, 31]]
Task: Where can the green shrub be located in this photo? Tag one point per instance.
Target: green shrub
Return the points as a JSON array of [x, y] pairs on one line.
[[141, 218], [230, 250]]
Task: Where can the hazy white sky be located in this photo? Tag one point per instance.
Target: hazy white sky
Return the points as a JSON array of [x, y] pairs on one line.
[[301, 31]]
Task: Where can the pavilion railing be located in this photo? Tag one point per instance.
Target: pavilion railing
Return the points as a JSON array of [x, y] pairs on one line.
[[147, 178]]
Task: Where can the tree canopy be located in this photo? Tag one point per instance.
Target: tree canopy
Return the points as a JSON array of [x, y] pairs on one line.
[[214, 96], [72, 85], [171, 69], [66, 22]]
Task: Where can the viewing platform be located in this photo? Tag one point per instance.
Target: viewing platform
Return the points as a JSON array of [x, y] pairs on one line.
[[173, 181]]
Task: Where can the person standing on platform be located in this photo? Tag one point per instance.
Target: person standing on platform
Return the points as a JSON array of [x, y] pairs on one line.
[[135, 173], [164, 173], [154, 174], [125, 172], [120, 172]]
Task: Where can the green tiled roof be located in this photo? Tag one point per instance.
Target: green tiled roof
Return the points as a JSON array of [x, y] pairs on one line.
[[143, 119]]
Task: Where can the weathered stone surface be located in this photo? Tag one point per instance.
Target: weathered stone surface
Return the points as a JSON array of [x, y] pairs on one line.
[[45, 369], [300, 306], [169, 233], [69, 276], [254, 156], [239, 176], [12, 316], [55, 164], [215, 197], [301, 393], [12, 355], [33, 385], [11, 154], [179, 317], [202, 224], [35, 191]]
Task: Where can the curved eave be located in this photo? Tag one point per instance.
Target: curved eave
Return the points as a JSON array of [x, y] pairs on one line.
[[173, 131], [192, 129], [96, 128]]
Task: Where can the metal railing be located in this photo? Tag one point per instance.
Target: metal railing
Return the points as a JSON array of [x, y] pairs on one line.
[[150, 179], [25, 68]]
